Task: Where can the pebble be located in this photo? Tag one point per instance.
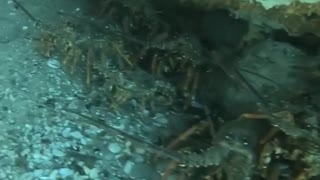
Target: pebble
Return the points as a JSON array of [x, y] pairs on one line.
[[144, 171], [58, 153], [128, 167], [53, 63], [66, 132], [25, 28], [109, 156], [38, 172], [76, 135], [94, 173], [74, 104], [173, 177], [160, 118], [114, 147], [83, 141], [53, 174], [26, 176], [92, 130], [25, 152], [139, 158], [3, 175], [140, 150], [65, 172]]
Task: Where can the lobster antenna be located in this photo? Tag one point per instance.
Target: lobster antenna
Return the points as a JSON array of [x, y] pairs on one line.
[[36, 21]]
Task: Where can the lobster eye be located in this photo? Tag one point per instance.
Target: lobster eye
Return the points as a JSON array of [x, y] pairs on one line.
[[229, 136], [244, 141]]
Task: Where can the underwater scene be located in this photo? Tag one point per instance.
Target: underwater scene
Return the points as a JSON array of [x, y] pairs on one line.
[[159, 90]]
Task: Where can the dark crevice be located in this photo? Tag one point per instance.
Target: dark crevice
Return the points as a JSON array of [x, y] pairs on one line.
[[309, 43]]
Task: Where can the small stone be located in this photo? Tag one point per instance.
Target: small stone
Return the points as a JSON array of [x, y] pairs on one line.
[[173, 177], [53, 175], [267, 160], [76, 135], [74, 104], [161, 119], [94, 173], [25, 152], [144, 171], [38, 173], [92, 130], [27, 175], [66, 132], [65, 172], [53, 63], [146, 112], [196, 104], [139, 158], [25, 28], [3, 175], [109, 156], [114, 147], [58, 153], [140, 150], [121, 126], [85, 169], [83, 141], [128, 167]]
